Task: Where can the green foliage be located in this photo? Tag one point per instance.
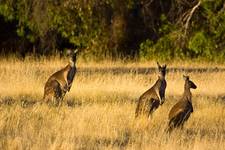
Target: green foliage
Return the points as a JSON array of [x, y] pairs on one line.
[[112, 28], [166, 27], [205, 40], [146, 50], [43, 20], [6, 11], [162, 50], [201, 45]]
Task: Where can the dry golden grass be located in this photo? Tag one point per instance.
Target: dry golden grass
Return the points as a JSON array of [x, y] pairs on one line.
[[102, 105]]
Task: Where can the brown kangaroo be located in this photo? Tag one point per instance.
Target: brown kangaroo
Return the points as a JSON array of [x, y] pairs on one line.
[[150, 100], [60, 82], [182, 110]]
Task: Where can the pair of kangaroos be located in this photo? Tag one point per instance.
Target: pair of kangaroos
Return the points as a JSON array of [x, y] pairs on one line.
[[155, 96], [61, 81]]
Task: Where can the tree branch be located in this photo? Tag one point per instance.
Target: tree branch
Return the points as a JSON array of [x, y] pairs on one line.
[[190, 16]]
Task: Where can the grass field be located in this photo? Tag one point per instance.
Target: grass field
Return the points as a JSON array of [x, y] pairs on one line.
[[98, 112]]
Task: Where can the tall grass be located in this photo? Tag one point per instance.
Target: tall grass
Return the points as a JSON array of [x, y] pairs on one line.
[[100, 114]]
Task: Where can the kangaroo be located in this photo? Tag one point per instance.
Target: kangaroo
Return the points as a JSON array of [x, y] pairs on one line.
[[182, 110], [150, 100], [60, 82]]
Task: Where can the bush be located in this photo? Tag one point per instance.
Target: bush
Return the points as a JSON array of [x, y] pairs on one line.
[[201, 45], [146, 50], [163, 49]]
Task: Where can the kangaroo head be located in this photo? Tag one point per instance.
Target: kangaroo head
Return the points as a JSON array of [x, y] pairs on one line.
[[188, 83], [162, 70], [72, 55]]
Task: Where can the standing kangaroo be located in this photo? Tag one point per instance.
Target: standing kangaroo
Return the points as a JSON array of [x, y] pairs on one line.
[[60, 82], [182, 110], [155, 96]]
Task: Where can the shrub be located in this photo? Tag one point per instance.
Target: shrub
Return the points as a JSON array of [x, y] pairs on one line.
[[201, 45]]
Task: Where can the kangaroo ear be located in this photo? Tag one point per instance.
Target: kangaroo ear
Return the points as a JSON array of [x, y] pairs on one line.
[[158, 64], [185, 77], [75, 51], [165, 66]]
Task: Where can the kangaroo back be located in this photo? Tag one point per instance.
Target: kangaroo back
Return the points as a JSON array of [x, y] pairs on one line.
[[182, 110]]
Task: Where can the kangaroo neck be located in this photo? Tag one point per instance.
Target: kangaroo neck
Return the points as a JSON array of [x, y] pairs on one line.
[[72, 63], [161, 77], [158, 84], [187, 94]]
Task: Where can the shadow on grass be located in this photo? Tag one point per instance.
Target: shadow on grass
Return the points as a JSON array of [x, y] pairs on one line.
[[147, 70], [26, 102], [204, 133], [87, 142], [7, 101], [189, 134]]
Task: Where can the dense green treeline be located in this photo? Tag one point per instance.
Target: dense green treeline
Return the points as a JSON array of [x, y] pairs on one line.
[[144, 29]]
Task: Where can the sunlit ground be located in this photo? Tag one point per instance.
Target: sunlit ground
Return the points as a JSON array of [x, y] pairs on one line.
[[98, 112]]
